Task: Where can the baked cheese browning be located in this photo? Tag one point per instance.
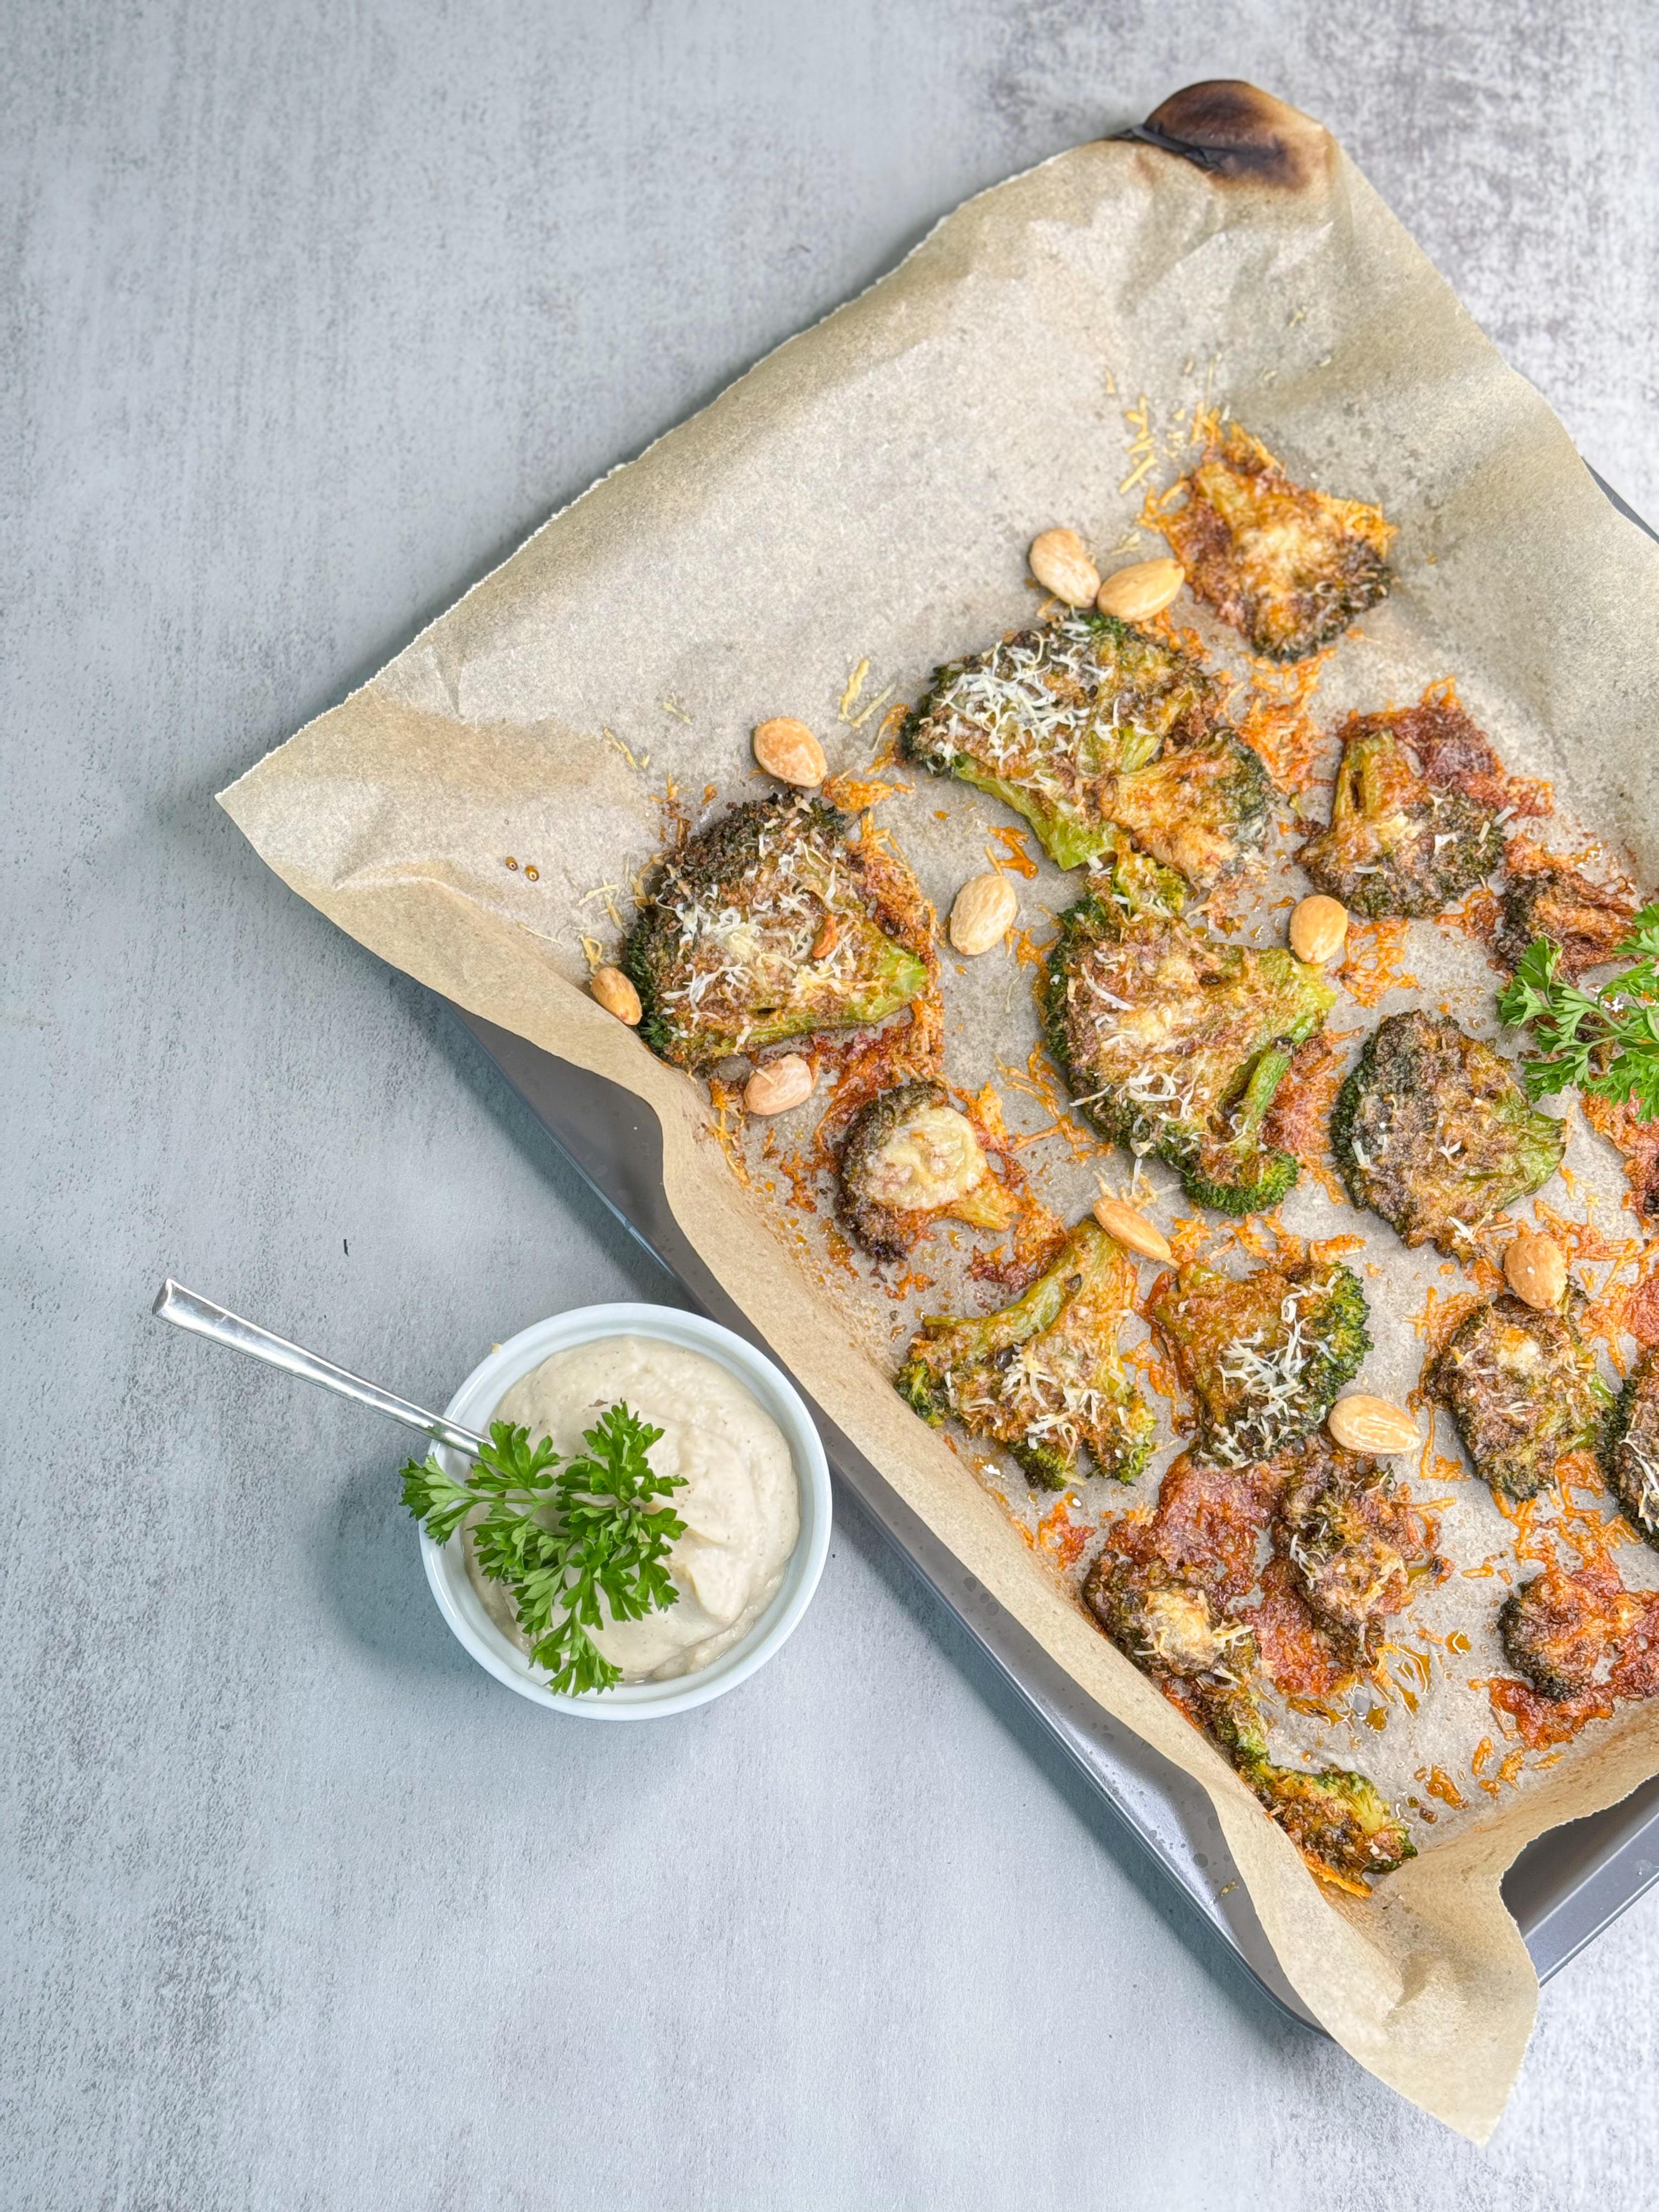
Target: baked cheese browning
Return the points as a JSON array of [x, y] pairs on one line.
[[1209, 1521], [1263, 1355], [1093, 730], [1165, 1624], [1432, 1132], [1546, 896], [1173, 1041], [1166, 1587], [1407, 837], [1357, 1548], [1043, 1377], [732, 952], [1583, 1634], [1636, 1141], [1630, 1448], [909, 1159], [1521, 1387], [1202, 1538], [1289, 567]]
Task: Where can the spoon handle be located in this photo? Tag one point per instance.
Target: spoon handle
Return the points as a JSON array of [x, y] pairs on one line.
[[186, 1310]]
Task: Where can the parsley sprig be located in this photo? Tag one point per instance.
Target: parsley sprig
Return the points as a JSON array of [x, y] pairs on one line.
[[1605, 1040], [562, 1534]]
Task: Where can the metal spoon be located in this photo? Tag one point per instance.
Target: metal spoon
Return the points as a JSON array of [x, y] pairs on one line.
[[186, 1310]]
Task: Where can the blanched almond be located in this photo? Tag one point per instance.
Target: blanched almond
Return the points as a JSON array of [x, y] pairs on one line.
[[778, 1085], [1143, 589], [787, 750], [1319, 928], [983, 912], [1059, 562], [1535, 1269], [1131, 1229], [616, 994], [1360, 1424]]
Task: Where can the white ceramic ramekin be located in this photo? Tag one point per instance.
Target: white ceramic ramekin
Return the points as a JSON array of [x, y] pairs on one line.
[[474, 1404]]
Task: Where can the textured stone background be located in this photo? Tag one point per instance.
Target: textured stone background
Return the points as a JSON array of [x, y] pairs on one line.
[[314, 308]]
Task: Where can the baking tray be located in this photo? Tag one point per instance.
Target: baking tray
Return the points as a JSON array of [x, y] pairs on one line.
[[1564, 1889]]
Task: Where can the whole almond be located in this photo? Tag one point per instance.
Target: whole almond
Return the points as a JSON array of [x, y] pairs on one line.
[[824, 943], [1143, 589], [616, 994], [778, 1085], [1319, 928], [1131, 1229], [1360, 1424], [787, 750], [1535, 1269], [983, 912], [1059, 562]]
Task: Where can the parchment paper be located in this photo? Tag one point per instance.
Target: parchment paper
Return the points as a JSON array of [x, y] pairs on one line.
[[855, 510]]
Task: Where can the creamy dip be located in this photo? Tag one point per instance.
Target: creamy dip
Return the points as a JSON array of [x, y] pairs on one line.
[[740, 1503]]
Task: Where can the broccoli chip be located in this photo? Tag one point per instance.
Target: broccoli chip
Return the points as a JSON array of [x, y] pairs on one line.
[[1093, 730], [1635, 1141], [1356, 1547], [1043, 1377], [1174, 1041], [1522, 1389], [1432, 1132], [1548, 897], [1288, 567], [732, 950], [1575, 1635], [1407, 836], [1630, 1448], [1166, 1583], [1263, 1355], [1164, 1625], [909, 1159], [1339, 1819], [1208, 1525], [1335, 1817], [1164, 1589]]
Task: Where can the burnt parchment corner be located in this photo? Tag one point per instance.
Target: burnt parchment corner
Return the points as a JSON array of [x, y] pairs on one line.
[[1236, 131]]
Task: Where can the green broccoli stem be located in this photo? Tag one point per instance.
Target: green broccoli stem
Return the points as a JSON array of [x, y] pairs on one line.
[[1236, 1173], [1068, 843]]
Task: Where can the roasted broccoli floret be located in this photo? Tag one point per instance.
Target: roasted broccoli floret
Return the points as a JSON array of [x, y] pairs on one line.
[[766, 926], [1091, 729], [910, 1158], [1432, 1132], [1165, 1624], [1164, 1589], [1630, 1448], [1173, 1041], [1335, 1817], [1406, 837], [1356, 1548], [1522, 1389], [1043, 1377], [1582, 1634], [1546, 896], [1263, 1355], [1288, 567]]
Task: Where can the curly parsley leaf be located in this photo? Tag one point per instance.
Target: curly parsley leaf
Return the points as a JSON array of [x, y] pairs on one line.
[[1604, 1040], [563, 1535]]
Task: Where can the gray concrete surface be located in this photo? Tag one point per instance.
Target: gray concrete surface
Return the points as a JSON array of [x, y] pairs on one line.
[[312, 310]]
